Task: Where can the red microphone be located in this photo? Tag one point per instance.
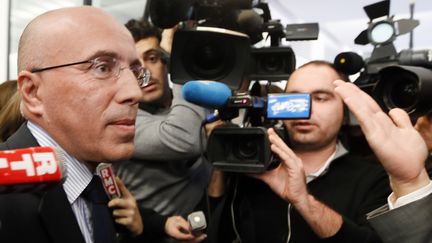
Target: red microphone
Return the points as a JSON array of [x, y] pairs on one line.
[[106, 173], [30, 169]]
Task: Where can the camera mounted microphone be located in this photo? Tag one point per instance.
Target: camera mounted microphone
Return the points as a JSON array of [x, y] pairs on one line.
[[166, 14], [32, 169], [349, 62]]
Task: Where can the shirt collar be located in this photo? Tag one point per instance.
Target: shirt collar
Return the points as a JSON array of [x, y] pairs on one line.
[[78, 175], [340, 151]]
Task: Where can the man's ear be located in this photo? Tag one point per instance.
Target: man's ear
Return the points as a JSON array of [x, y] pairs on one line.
[[28, 86]]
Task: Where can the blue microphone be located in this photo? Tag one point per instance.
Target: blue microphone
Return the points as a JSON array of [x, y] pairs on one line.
[[208, 94]]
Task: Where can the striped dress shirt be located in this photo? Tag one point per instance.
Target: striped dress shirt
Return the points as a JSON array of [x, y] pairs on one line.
[[78, 176]]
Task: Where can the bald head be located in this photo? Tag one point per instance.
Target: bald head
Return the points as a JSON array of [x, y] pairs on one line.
[[52, 34], [83, 94]]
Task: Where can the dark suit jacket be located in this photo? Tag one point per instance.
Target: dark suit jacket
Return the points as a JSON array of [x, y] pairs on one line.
[[408, 224], [36, 217]]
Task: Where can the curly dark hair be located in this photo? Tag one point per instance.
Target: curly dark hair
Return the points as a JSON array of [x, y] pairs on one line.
[[141, 29]]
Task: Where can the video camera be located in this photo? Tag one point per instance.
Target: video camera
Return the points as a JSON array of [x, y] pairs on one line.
[[215, 37], [402, 80], [244, 147], [215, 42], [247, 149]]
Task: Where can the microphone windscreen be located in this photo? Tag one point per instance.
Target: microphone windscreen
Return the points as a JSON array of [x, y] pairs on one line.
[[166, 14], [209, 94], [251, 23], [349, 62]]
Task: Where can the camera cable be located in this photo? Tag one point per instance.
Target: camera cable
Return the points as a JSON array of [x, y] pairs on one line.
[[238, 239], [289, 222]]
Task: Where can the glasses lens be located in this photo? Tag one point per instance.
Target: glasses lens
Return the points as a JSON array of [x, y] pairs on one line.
[[105, 66], [142, 75], [146, 78]]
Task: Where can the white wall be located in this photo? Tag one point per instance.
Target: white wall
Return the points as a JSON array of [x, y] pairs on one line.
[[4, 25]]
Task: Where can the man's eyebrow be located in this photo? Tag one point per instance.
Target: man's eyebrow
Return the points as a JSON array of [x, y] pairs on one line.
[[151, 51], [325, 91], [101, 53], [318, 91]]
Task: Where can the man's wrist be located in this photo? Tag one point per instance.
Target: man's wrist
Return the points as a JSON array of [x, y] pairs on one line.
[[402, 188], [394, 202], [324, 221], [304, 203]]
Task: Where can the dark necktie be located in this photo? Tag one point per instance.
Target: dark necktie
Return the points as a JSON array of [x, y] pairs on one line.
[[103, 223]]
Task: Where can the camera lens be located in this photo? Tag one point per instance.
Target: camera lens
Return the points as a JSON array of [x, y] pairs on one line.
[[272, 63], [404, 94], [400, 90], [208, 57], [209, 60], [246, 149]]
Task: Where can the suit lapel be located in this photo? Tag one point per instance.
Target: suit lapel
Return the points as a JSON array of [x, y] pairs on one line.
[[54, 208], [58, 217], [22, 138]]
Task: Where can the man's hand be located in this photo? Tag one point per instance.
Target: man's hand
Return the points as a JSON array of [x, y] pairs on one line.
[[288, 180], [424, 127], [178, 228], [398, 146], [126, 211]]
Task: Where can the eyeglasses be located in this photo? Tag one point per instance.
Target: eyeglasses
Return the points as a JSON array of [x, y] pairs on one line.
[[106, 67]]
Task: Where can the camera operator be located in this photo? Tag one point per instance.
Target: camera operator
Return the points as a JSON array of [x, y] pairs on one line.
[[319, 193], [166, 173]]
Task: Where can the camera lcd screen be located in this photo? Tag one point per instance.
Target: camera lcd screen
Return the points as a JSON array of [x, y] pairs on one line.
[[289, 106]]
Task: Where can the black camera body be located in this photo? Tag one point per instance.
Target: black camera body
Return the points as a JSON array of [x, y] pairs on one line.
[[272, 63], [214, 42], [395, 80], [209, 53], [236, 149], [402, 81], [247, 149]]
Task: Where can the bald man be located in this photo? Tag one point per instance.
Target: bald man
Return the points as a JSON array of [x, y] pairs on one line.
[[79, 79]]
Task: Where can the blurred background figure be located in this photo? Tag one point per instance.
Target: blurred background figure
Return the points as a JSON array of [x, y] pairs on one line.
[[167, 172], [7, 89], [10, 117]]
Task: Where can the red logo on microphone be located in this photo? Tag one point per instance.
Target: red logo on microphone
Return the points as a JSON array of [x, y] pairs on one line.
[[29, 165]]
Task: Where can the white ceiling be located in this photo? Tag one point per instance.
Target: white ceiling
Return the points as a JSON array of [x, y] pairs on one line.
[[342, 20]]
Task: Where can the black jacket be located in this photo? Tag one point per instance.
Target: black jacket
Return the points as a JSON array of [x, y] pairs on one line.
[[36, 217], [351, 186], [47, 216]]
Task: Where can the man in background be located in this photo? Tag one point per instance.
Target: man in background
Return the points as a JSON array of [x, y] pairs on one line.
[[319, 192], [167, 172]]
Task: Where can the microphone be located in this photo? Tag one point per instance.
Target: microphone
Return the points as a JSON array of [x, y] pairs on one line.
[[32, 169], [251, 23], [106, 173], [166, 14], [208, 94], [197, 222], [348, 62]]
